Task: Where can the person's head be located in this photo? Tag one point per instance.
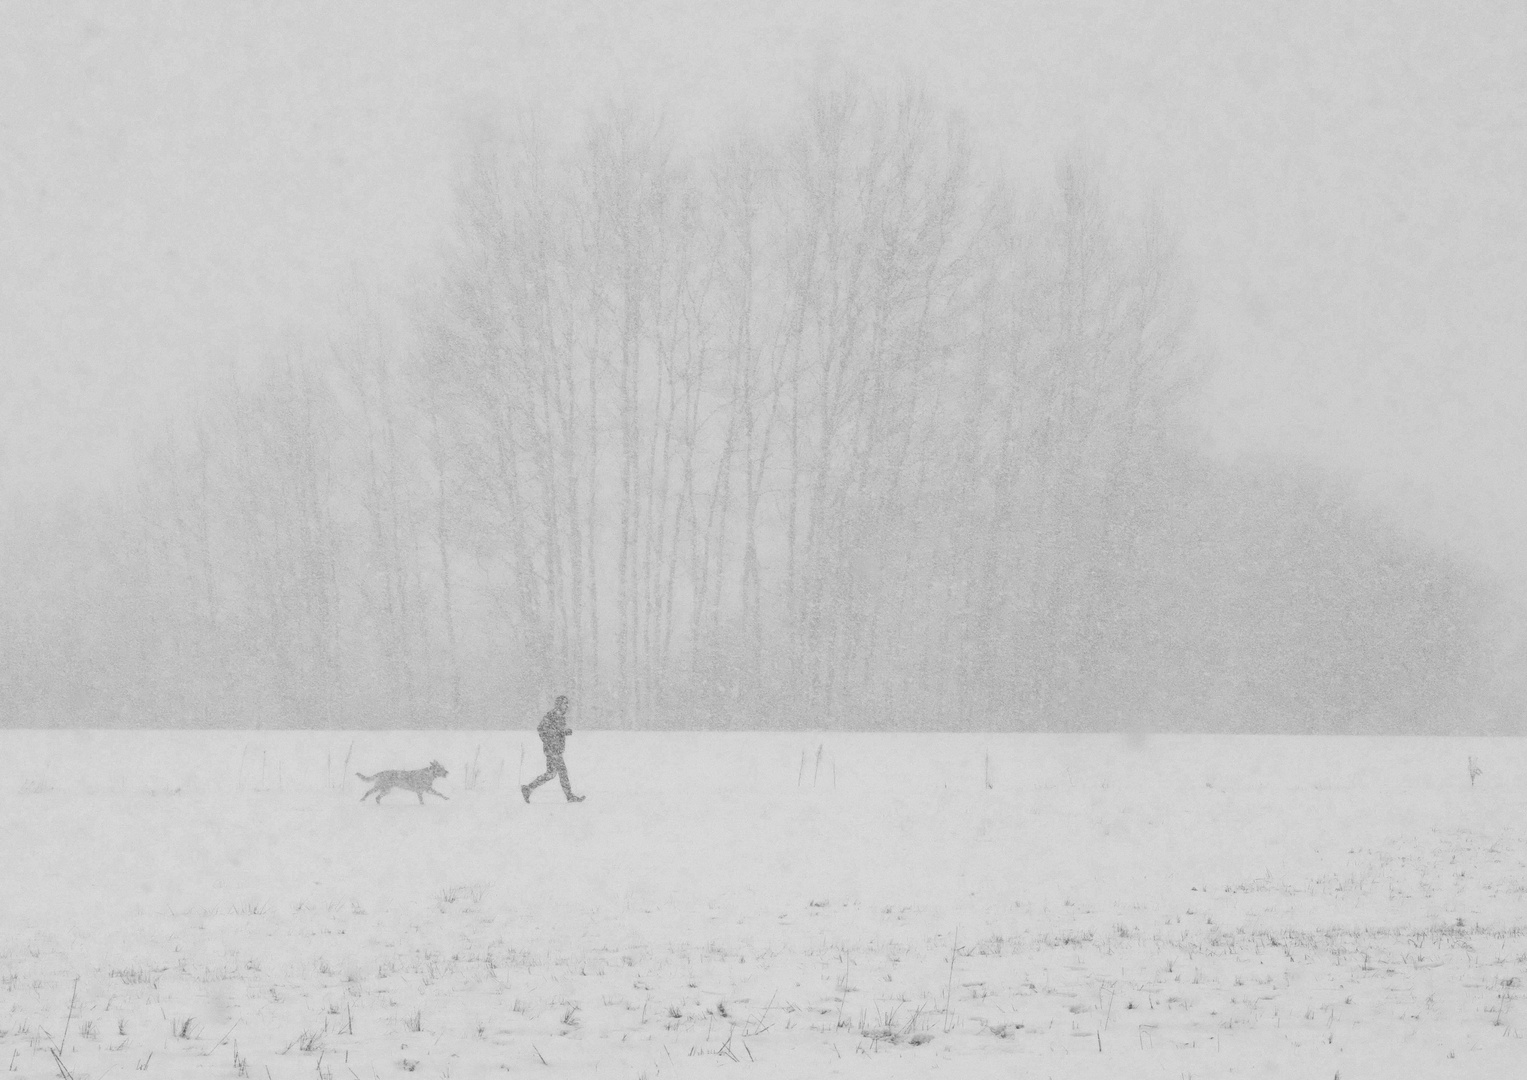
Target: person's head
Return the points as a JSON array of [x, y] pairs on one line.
[[561, 705]]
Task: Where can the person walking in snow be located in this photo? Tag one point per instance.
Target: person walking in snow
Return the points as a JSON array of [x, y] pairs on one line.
[[554, 731]]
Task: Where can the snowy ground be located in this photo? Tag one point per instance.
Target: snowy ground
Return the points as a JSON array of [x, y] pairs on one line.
[[777, 905]]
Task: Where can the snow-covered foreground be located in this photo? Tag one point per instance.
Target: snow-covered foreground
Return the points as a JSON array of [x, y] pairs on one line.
[[780, 905]]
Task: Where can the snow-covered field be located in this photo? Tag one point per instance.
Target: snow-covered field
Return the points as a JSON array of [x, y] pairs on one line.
[[780, 905]]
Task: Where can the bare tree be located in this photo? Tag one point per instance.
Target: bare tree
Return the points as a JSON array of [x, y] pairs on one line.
[[817, 428]]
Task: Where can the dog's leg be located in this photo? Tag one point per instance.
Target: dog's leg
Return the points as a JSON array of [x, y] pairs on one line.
[[432, 791], [421, 797], [367, 795]]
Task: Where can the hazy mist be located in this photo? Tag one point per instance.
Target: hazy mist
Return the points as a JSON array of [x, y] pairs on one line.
[[953, 368]]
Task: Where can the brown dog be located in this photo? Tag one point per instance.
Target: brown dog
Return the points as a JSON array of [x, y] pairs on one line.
[[416, 780]]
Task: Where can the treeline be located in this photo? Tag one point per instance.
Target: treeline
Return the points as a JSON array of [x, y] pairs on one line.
[[814, 428]]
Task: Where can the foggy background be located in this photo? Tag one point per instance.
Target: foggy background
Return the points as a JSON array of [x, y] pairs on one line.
[[956, 366]]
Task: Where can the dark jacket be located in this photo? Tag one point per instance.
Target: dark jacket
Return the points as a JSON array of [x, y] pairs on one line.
[[554, 731]]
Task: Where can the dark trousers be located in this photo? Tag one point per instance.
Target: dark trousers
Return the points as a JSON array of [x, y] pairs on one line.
[[555, 766]]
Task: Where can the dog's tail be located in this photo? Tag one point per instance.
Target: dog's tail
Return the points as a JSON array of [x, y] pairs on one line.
[[366, 778]]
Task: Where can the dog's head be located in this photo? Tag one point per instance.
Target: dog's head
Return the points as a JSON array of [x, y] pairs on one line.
[[437, 769]]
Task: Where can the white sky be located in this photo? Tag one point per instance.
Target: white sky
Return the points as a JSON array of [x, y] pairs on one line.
[[188, 185]]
